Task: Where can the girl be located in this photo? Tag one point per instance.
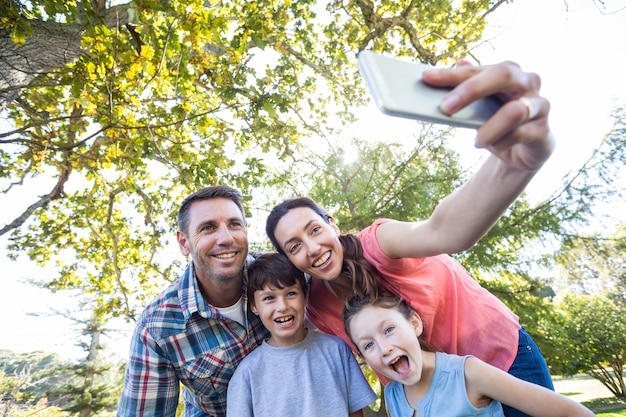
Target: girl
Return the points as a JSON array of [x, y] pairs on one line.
[[386, 332], [410, 258]]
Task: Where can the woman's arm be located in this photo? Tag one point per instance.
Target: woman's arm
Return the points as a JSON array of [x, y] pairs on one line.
[[520, 141], [486, 381]]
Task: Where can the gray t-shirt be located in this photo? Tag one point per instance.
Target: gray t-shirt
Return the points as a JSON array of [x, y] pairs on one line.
[[316, 377]]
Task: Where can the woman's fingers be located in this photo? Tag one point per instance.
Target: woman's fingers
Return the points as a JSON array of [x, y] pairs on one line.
[[518, 132]]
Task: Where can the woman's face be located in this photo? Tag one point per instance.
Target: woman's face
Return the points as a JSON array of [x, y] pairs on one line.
[[310, 243]]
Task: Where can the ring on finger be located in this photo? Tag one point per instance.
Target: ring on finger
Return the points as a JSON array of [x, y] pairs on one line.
[[530, 109]]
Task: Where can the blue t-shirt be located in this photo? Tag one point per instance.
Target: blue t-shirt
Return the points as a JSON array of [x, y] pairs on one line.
[[447, 395]]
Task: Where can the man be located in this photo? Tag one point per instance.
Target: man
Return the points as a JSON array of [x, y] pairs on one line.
[[198, 330]]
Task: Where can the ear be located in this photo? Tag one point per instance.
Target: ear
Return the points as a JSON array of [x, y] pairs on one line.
[[253, 309], [416, 322], [183, 244]]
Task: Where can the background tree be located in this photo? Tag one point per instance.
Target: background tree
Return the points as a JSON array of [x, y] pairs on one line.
[[595, 264], [26, 378], [592, 332], [168, 96]]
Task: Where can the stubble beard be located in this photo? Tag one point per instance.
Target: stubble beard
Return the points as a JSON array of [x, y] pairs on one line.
[[204, 271]]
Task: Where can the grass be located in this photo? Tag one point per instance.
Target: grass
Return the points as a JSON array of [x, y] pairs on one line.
[[590, 393], [606, 407]]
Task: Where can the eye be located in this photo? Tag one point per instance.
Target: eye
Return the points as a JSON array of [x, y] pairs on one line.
[[236, 225], [315, 229], [293, 248], [293, 293], [367, 346], [267, 298], [389, 329]]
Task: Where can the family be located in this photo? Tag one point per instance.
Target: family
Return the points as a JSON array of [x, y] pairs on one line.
[[274, 334]]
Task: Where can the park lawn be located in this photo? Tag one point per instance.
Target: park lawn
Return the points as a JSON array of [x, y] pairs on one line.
[[607, 407]]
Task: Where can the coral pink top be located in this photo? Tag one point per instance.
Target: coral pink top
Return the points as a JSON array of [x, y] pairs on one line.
[[459, 315]]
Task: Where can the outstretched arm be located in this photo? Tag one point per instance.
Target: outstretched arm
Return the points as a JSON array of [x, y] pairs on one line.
[[484, 381], [520, 141]]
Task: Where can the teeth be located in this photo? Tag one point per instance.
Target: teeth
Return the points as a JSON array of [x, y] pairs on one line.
[[226, 255], [283, 319], [322, 260]]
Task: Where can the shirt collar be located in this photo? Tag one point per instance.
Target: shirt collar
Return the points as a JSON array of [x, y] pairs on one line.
[[191, 300]]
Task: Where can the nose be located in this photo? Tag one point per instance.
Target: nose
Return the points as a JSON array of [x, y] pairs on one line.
[[224, 236], [280, 304], [313, 248], [385, 349]]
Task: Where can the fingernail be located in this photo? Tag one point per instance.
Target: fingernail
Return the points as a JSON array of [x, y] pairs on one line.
[[449, 104]]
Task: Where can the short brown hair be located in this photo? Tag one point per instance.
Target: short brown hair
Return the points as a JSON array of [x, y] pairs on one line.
[[274, 270]]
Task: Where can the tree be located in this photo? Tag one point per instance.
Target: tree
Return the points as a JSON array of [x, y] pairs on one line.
[[159, 98], [25, 378], [385, 179], [592, 334]]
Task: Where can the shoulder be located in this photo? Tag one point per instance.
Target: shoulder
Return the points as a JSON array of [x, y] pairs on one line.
[[370, 231], [250, 361], [164, 311], [395, 398], [450, 362], [328, 340]]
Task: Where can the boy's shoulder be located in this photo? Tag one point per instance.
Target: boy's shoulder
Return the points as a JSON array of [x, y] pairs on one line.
[[328, 340]]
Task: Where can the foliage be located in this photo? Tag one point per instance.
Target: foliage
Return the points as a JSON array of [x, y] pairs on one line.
[[164, 97], [26, 377], [30, 381], [592, 337], [385, 179], [595, 264]]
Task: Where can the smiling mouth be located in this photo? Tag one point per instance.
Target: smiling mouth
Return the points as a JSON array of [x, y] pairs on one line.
[[226, 255], [321, 261], [284, 320], [400, 365]]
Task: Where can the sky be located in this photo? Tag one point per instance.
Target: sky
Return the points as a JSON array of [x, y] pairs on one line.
[[576, 49]]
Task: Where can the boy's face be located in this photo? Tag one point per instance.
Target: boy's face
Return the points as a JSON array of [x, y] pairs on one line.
[[389, 342], [282, 312]]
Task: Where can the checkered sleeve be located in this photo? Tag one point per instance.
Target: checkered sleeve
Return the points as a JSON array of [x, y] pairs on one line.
[[151, 386]]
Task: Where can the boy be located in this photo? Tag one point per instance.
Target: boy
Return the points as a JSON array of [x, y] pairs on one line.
[[296, 371]]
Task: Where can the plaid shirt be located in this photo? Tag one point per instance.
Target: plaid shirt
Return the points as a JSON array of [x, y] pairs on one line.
[[179, 338]]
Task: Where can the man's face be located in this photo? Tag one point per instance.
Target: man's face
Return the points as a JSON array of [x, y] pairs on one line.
[[216, 239]]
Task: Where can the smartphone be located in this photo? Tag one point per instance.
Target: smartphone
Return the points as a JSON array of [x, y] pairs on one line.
[[398, 90]]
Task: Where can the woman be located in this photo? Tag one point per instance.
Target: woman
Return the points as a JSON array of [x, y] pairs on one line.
[[410, 258]]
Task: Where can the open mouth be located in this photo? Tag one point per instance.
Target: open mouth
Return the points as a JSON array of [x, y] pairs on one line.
[[400, 365]]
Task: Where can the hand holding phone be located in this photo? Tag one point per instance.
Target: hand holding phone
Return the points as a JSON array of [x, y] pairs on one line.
[[398, 90]]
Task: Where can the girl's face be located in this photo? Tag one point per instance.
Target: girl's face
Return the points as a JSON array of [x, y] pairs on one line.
[[310, 243], [389, 342]]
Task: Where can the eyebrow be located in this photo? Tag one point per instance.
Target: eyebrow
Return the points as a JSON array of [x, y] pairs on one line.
[[306, 226]]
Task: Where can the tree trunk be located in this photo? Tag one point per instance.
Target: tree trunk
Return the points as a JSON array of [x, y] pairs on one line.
[[52, 45]]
